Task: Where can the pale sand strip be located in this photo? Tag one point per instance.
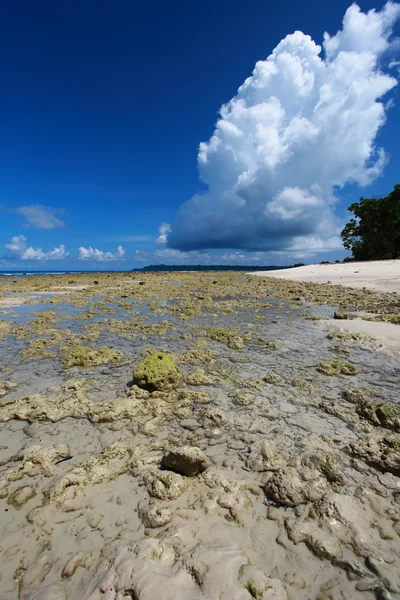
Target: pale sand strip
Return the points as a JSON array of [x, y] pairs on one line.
[[381, 276], [386, 333]]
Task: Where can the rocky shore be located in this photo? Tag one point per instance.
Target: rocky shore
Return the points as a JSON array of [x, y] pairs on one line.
[[197, 436]]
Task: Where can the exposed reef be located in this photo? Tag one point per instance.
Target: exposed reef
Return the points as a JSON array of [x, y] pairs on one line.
[[196, 436]]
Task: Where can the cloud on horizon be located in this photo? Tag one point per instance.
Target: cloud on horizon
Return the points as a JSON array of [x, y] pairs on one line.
[[302, 125], [99, 255], [18, 250]]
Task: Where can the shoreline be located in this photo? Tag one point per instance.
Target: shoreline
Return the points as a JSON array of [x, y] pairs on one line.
[[380, 276]]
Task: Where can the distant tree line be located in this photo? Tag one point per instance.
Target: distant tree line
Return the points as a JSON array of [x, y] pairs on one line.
[[173, 268], [374, 232]]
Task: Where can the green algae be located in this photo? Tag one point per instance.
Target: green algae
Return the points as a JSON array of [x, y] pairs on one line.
[[85, 357], [225, 335], [337, 367], [269, 345], [6, 386], [383, 414], [201, 377], [158, 371], [346, 338], [328, 464], [395, 319], [272, 377], [195, 357], [301, 383], [37, 349], [315, 318]]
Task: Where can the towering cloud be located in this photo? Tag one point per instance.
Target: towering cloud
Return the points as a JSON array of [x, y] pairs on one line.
[[304, 122]]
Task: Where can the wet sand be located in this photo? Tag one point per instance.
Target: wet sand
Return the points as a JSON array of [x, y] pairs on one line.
[[265, 465]]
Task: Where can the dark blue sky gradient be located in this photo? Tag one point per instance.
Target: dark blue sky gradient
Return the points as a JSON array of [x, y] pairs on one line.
[[103, 105]]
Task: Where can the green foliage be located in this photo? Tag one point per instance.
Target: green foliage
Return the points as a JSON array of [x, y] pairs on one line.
[[374, 233]]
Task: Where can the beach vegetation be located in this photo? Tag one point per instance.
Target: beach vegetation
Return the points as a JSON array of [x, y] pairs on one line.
[[374, 231]]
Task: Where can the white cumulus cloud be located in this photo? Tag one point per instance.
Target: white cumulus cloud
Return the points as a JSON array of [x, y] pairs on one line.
[[18, 250], [40, 217], [99, 255], [304, 123]]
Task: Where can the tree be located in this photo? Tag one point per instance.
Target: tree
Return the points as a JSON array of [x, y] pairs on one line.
[[374, 233]]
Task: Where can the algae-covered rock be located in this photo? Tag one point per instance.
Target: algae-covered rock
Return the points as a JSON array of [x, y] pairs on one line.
[[356, 395], [155, 516], [340, 314], [266, 458], [384, 414], [196, 357], [201, 377], [272, 377], [388, 415], [188, 460], [190, 397], [326, 463], [21, 496], [260, 585], [157, 372], [268, 344], [37, 349], [380, 450], [244, 398], [347, 337], [37, 460], [338, 367], [83, 356], [166, 485], [6, 386], [224, 335], [108, 465], [288, 487], [301, 383]]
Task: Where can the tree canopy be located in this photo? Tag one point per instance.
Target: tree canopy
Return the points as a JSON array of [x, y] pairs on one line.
[[374, 233]]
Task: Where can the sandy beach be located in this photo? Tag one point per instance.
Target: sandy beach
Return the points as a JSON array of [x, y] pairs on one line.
[[216, 431], [381, 276]]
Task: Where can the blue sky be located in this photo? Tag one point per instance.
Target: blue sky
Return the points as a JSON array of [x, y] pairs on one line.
[[103, 108]]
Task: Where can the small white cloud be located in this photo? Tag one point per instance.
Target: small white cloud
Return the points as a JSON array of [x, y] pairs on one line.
[[16, 247], [40, 217], [57, 253], [164, 229], [99, 255], [17, 250]]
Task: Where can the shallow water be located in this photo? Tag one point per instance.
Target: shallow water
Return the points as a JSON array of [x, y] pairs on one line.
[[86, 530]]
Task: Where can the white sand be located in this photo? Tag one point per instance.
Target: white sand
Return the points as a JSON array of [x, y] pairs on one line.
[[387, 334], [380, 275]]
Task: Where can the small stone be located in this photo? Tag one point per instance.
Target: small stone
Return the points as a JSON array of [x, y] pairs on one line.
[[166, 485], [340, 314], [188, 460], [272, 377], [155, 516], [244, 398]]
